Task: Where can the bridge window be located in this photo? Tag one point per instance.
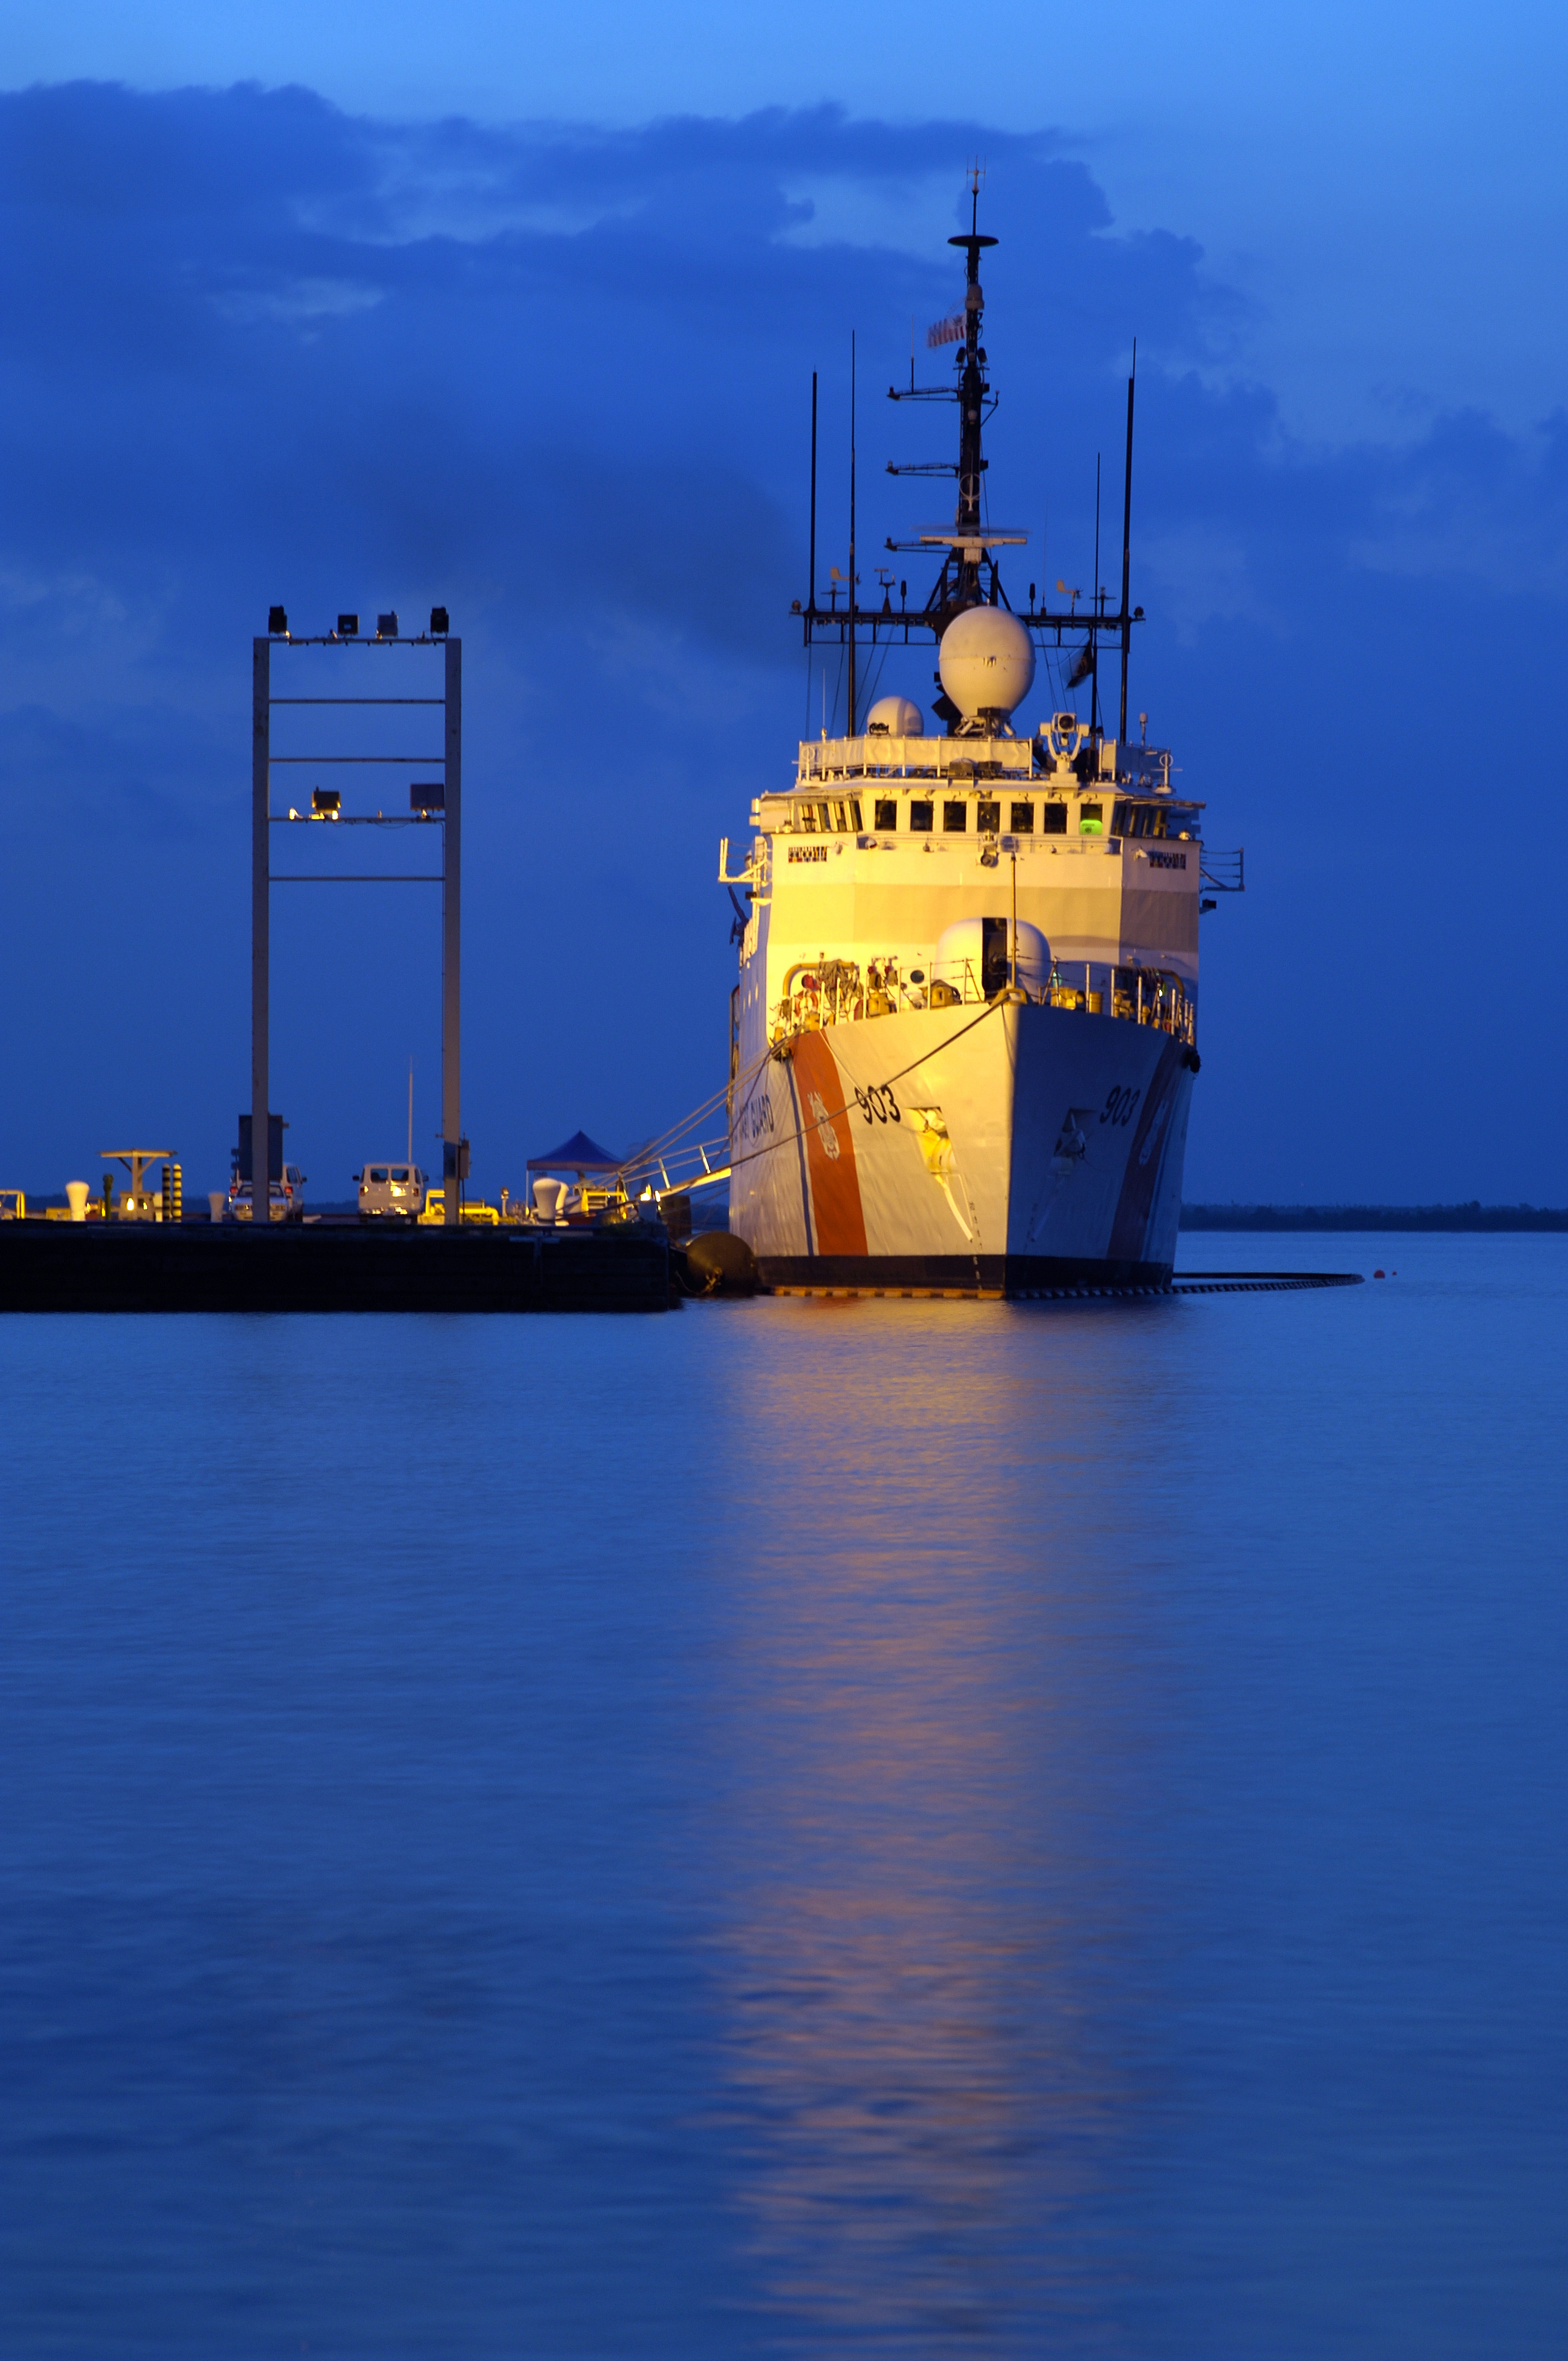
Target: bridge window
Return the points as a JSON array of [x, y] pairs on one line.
[[988, 818], [1091, 820], [1053, 819], [955, 818], [920, 817], [1023, 819], [1154, 819], [887, 814]]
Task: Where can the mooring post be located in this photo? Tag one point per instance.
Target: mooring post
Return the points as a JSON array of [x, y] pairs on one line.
[[260, 917], [451, 942]]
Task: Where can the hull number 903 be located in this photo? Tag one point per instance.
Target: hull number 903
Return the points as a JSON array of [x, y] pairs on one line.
[[1119, 1107], [878, 1105]]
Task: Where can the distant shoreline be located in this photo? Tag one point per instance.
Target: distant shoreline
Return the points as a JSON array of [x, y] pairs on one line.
[[1375, 1217]]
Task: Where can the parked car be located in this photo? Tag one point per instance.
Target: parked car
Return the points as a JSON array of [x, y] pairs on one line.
[[286, 1198], [390, 1192]]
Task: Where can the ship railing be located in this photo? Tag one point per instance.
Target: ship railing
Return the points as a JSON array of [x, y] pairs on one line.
[[1135, 995], [1223, 872], [837, 991], [915, 758], [833, 991]]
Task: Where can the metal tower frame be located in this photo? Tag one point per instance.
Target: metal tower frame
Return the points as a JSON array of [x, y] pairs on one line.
[[449, 877]]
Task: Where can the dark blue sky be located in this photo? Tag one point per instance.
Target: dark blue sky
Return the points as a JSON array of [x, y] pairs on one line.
[[256, 347]]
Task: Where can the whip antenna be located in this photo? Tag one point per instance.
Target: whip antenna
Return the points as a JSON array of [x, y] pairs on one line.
[[1127, 549]]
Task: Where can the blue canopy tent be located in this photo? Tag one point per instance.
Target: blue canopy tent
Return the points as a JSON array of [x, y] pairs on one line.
[[580, 1155]]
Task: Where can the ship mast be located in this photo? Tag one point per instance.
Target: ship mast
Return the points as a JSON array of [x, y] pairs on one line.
[[966, 589], [969, 575]]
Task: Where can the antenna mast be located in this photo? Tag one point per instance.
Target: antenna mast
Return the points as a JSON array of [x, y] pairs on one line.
[[1127, 550], [967, 575], [851, 730], [1099, 609], [971, 402], [813, 561]]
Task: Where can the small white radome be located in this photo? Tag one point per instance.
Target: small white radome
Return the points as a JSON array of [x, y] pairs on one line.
[[962, 945], [899, 716]]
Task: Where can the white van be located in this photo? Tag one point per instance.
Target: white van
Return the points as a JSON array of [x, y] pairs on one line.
[[390, 1192]]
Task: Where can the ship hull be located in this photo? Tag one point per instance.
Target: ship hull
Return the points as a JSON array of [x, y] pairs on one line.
[[1012, 1150]]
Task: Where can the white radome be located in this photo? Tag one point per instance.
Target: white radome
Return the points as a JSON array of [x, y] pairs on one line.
[[987, 661], [962, 945], [899, 716]]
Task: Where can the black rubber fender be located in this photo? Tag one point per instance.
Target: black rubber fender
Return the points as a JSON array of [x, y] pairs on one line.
[[718, 1263]]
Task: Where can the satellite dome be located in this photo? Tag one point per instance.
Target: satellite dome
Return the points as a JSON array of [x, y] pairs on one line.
[[900, 717], [963, 952], [987, 661]]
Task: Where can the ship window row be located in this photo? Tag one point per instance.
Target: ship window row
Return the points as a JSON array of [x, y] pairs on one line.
[[950, 816], [842, 816], [990, 814]]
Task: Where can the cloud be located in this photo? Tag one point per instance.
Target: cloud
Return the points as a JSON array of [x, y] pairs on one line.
[[1202, 576], [1475, 508], [298, 302]]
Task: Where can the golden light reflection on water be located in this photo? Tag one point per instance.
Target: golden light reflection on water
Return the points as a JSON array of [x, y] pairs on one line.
[[925, 2109]]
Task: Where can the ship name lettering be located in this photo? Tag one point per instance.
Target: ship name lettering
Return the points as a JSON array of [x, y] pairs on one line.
[[1118, 1108], [1161, 859], [878, 1105], [809, 852]]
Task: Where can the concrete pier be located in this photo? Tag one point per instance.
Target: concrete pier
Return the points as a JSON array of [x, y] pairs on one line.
[[157, 1267]]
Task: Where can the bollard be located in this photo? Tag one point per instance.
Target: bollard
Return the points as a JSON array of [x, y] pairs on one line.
[[76, 1196], [109, 1196], [217, 1201]]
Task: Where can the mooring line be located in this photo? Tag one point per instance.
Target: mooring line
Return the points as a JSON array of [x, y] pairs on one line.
[[788, 1139]]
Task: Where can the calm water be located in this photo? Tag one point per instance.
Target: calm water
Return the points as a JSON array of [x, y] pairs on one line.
[[795, 1827]]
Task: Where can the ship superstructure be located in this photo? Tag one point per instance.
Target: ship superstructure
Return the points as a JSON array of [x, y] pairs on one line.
[[964, 1036]]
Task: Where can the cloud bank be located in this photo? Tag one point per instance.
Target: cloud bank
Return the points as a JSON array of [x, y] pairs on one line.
[[557, 377]]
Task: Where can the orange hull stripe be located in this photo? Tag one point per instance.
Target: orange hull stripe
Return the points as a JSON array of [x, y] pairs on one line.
[[837, 1212]]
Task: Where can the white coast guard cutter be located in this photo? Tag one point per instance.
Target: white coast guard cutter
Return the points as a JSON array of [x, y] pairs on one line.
[[964, 1038]]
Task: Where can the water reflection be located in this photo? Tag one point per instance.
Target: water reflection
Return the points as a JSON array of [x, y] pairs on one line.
[[925, 1746]]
